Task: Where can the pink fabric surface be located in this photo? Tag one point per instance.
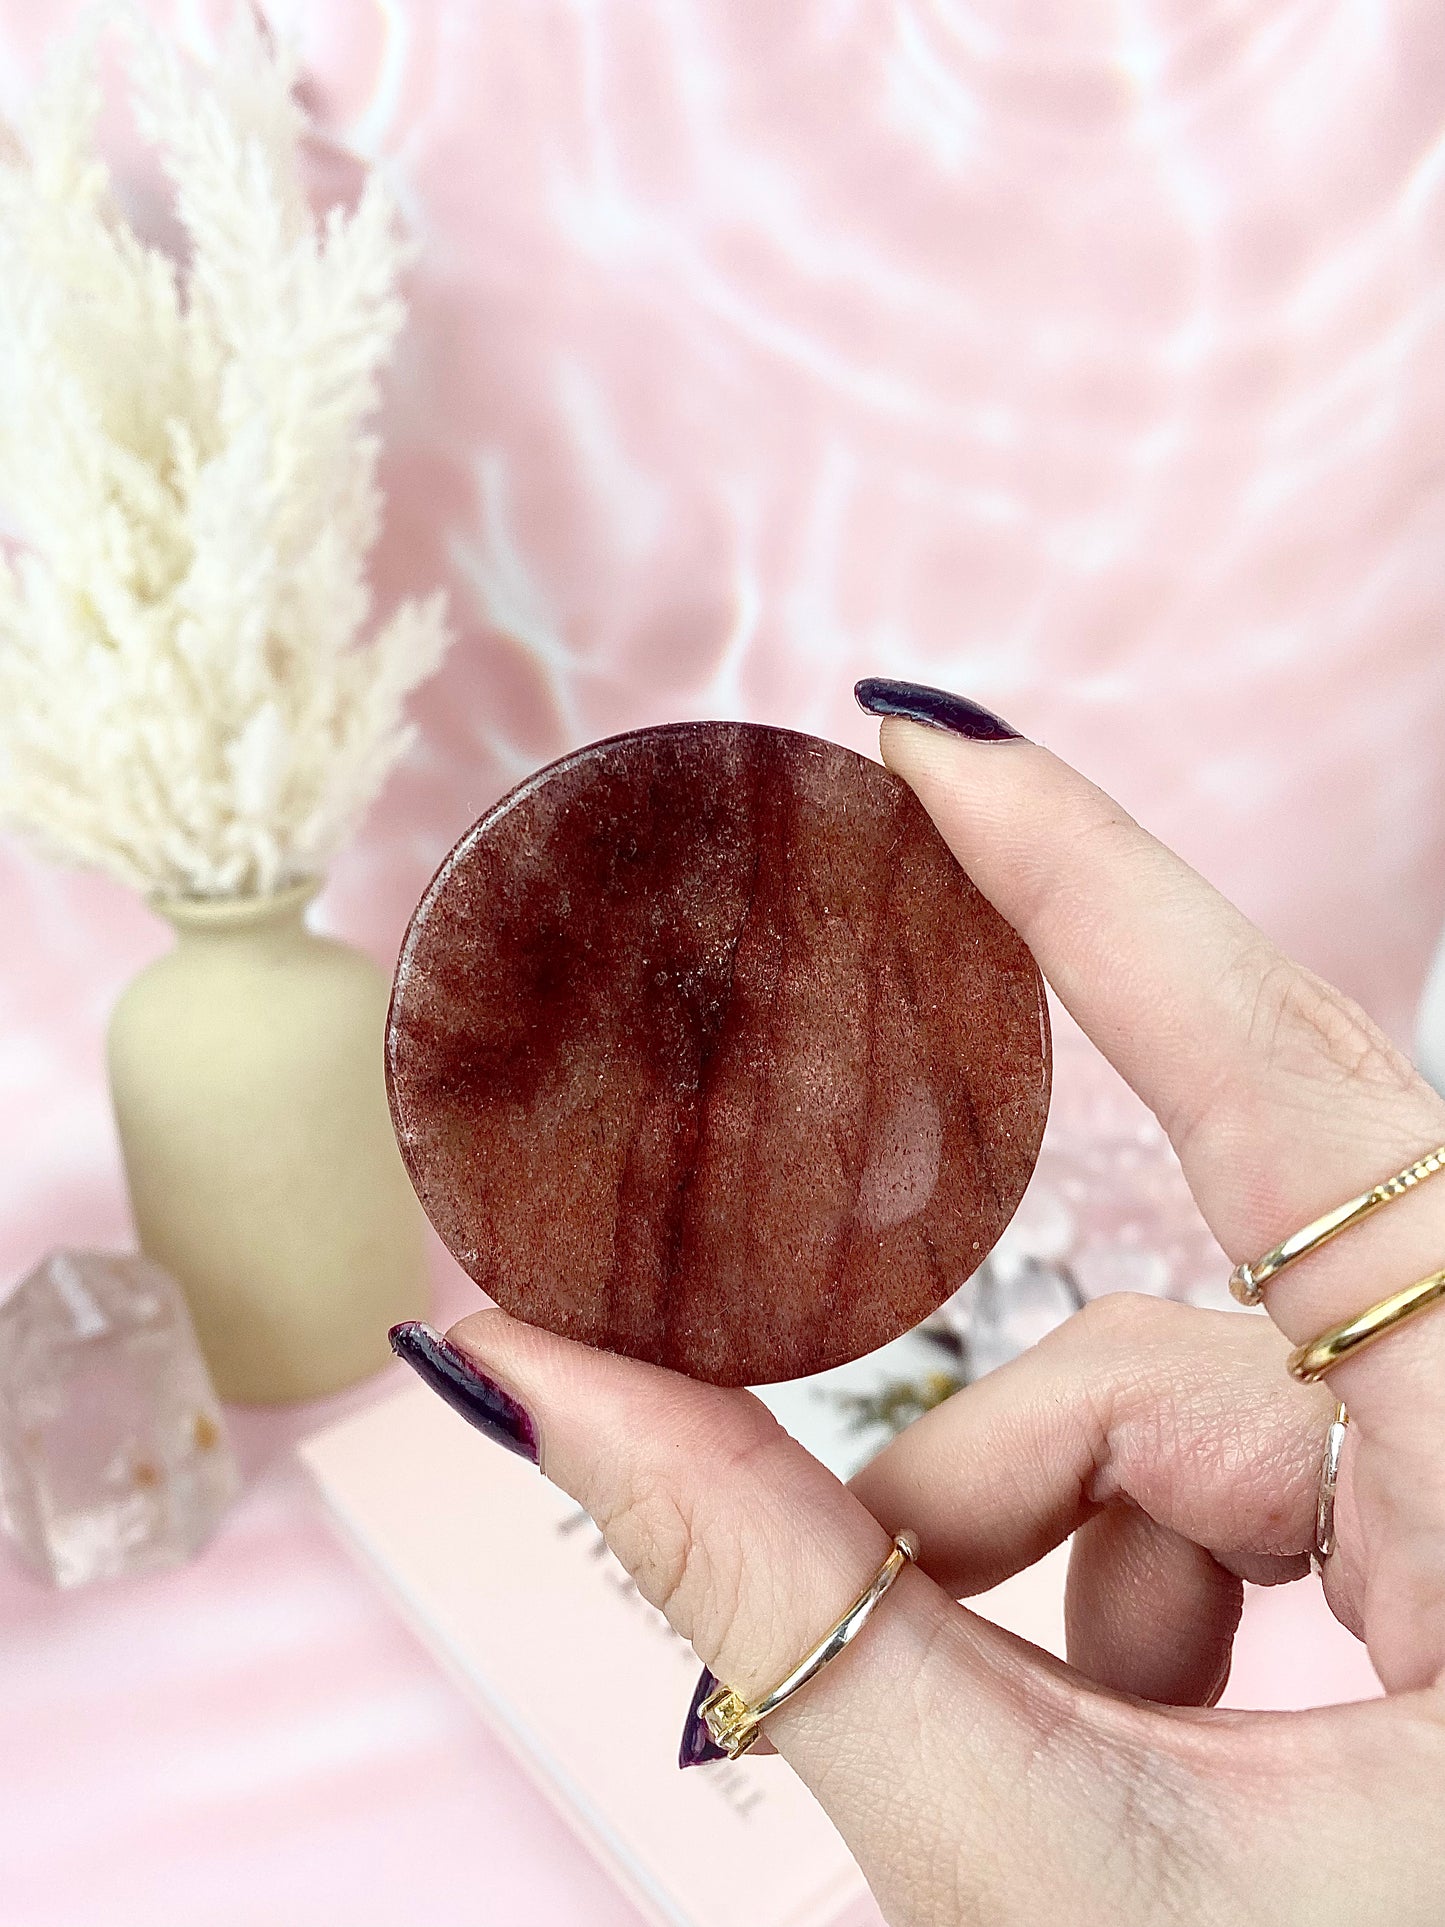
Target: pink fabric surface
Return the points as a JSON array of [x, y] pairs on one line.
[[1087, 360]]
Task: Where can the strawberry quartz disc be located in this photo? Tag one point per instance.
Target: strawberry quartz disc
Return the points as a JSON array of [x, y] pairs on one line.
[[703, 1048]]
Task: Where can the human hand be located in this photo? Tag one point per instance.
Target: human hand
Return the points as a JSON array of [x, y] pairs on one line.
[[975, 1778]]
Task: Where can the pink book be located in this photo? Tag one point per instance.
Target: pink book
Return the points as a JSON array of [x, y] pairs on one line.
[[539, 1623]]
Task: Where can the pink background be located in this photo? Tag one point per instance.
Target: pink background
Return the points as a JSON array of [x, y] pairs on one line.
[[1088, 360]]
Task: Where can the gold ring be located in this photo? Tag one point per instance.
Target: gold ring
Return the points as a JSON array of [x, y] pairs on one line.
[[1247, 1282], [1340, 1342], [735, 1725]]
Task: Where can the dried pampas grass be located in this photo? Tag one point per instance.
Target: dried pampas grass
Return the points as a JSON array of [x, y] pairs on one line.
[[188, 466]]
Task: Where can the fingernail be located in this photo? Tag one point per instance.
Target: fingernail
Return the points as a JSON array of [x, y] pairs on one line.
[[698, 1745], [453, 1376], [881, 696]]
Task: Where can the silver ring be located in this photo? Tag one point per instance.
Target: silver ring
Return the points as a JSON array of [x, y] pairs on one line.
[[1329, 1479]]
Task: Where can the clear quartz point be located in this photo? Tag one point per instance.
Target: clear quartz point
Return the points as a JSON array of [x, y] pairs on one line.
[[114, 1456]]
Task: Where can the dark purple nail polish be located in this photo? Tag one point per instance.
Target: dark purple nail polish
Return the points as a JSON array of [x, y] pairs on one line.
[[453, 1376], [881, 696], [698, 1745]]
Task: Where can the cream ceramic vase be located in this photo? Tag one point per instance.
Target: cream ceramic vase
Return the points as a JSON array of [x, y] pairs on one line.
[[246, 1072]]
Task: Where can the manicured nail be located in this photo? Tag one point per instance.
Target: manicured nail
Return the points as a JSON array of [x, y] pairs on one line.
[[881, 696], [453, 1376], [698, 1745]]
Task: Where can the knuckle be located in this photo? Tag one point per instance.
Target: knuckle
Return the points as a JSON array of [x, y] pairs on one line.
[[1121, 1359], [1097, 1348], [1117, 1318], [1115, 1315], [651, 1533], [1296, 1044], [1304, 1027], [685, 1547]]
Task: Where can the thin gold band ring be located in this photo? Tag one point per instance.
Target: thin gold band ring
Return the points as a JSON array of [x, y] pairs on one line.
[[1332, 1347], [1247, 1282], [735, 1725]]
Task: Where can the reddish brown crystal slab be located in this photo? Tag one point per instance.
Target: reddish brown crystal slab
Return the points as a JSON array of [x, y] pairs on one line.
[[704, 1049]]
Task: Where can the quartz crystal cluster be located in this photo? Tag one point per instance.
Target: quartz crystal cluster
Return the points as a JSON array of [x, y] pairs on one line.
[[113, 1451]]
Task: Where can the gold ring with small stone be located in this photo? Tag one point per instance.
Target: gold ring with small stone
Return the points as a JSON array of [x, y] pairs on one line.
[[735, 1724]]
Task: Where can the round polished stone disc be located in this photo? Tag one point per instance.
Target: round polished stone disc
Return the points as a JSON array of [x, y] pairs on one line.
[[703, 1048]]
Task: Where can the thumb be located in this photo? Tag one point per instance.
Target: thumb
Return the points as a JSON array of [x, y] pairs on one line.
[[918, 1738]]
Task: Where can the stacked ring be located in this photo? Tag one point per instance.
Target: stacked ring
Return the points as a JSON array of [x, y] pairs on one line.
[[1310, 1362], [1332, 1347], [1247, 1282], [1342, 1341]]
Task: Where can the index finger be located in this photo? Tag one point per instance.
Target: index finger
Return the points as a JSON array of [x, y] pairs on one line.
[[1280, 1095]]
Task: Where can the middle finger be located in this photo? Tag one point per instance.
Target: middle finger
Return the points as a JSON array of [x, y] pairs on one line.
[[1182, 1413]]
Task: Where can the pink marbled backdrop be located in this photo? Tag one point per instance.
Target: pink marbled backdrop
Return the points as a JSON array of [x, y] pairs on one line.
[[1087, 359]]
